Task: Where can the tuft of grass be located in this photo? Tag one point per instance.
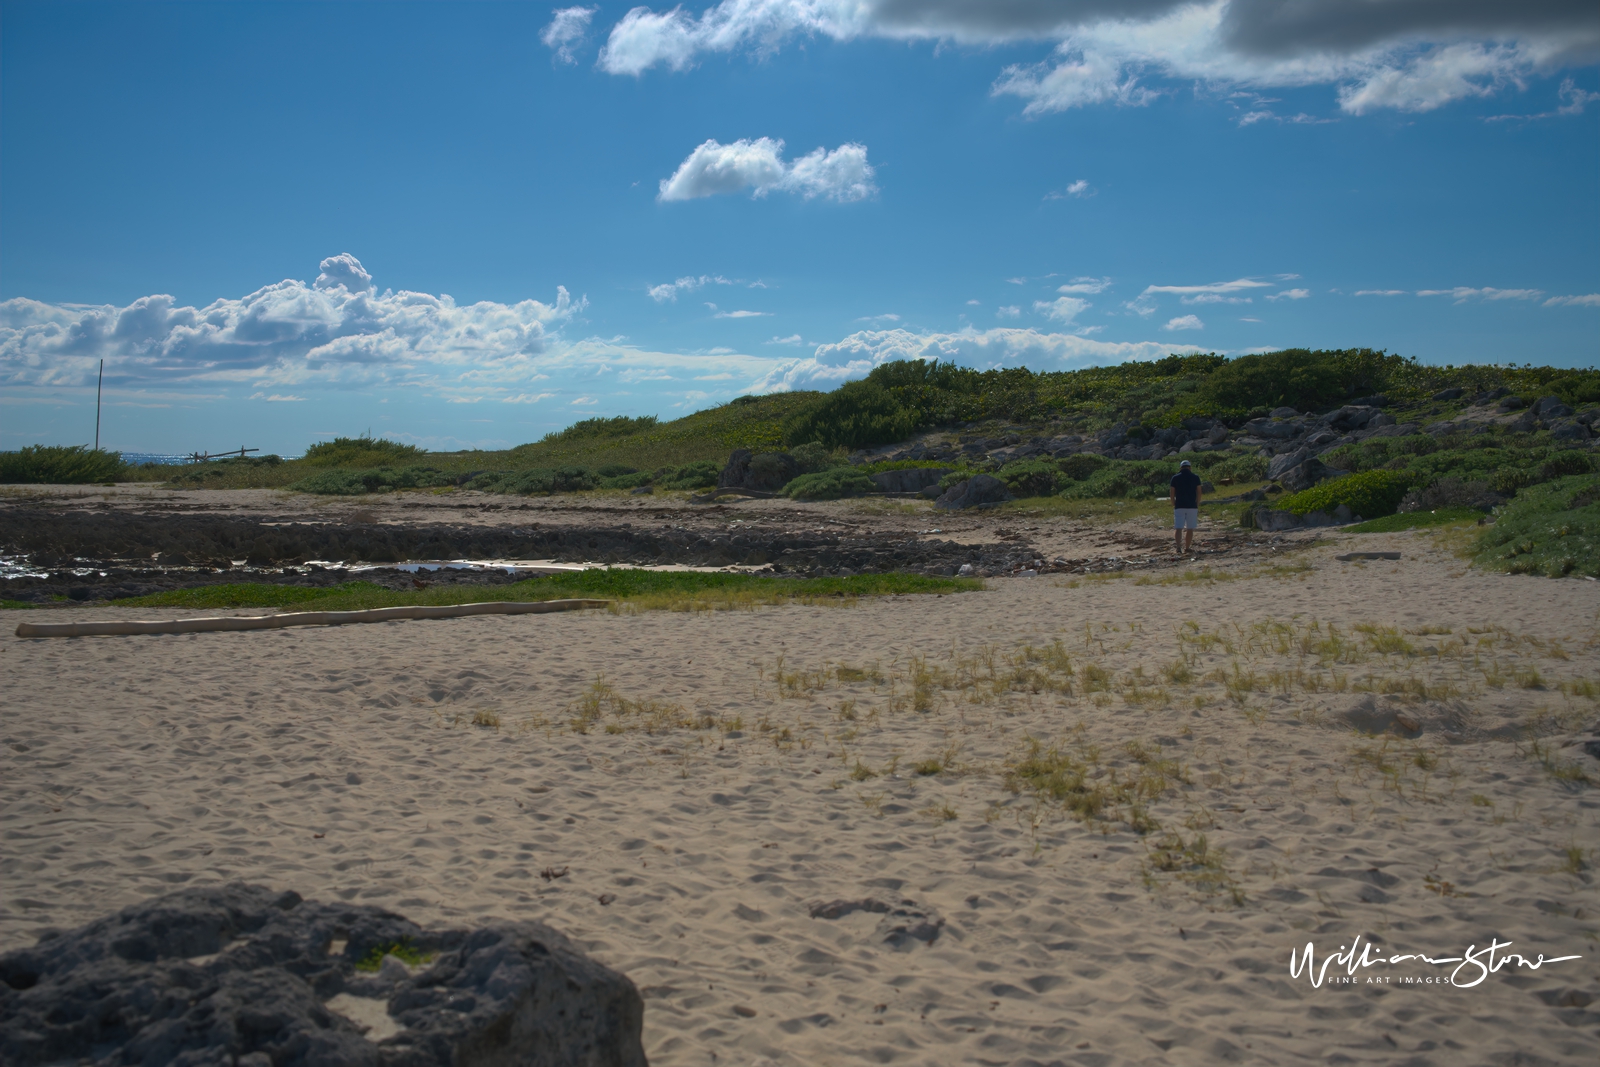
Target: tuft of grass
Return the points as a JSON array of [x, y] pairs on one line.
[[1416, 520], [15, 605], [633, 589], [486, 717], [403, 950], [1193, 861]]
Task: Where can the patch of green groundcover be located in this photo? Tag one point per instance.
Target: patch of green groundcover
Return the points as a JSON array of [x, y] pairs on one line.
[[1413, 520], [600, 583], [1551, 529], [14, 605]]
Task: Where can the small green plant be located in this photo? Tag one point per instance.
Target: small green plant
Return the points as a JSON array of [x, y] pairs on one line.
[[403, 950]]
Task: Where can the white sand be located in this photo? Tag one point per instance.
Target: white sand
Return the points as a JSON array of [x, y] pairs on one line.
[[343, 762]]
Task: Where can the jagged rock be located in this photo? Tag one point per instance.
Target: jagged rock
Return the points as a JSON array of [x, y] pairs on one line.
[[1287, 461], [911, 480], [1570, 430], [1447, 394], [765, 472], [981, 490], [242, 974], [1551, 407]]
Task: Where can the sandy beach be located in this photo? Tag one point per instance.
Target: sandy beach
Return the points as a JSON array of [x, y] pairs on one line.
[[1063, 820]]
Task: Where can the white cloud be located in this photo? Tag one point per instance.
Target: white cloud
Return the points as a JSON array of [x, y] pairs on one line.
[[1185, 322], [1211, 293], [741, 314], [1576, 100], [1249, 320], [1089, 286], [278, 398], [887, 316], [1290, 294], [566, 31], [1062, 308], [1461, 294], [1008, 311], [1081, 189], [1381, 292], [713, 169], [1586, 300], [974, 303], [792, 339], [856, 355], [526, 398], [336, 331], [1409, 56], [668, 291]]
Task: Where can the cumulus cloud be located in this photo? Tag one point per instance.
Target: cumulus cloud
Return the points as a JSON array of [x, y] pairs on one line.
[[335, 331], [1085, 285], [1185, 322], [713, 169], [857, 354], [1586, 300], [567, 29], [739, 314], [1008, 311], [1411, 55], [1062, 308], [1290, 294], [1462, 294], [667, 292], [1382, 292]]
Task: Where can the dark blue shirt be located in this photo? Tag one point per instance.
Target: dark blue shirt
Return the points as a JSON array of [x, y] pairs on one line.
[[1186, 490]]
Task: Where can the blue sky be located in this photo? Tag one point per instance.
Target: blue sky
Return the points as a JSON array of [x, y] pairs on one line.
[[469, 224]]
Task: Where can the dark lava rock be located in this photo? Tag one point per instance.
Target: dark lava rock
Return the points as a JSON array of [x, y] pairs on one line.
[[767, 472], [978, 491], [244, 976], [911, 480]]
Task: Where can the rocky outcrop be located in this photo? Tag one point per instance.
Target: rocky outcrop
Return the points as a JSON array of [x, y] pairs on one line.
[[765, 472], [246, 976], [981, 490], [912, 480]]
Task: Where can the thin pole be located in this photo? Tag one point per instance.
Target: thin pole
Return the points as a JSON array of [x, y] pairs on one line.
[[97, 386]]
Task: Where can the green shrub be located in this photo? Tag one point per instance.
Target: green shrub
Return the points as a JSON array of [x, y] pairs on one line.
[[829, 484], [625, 481], [360, 451], [345, 482], [1551, 529], [1082, 465], [540, 481], [701, 475], [59, 465], [1371, 494], [1242, 468], [1110, 482], [620, 426], [812, 457], [616, 470], [856, 415], [1032, 477]]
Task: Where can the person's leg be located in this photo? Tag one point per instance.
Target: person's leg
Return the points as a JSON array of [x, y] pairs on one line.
[[1188, 540], [1177, 532]]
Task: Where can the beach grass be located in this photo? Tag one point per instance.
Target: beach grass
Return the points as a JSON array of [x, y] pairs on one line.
[[1416, 520], [632, 589]]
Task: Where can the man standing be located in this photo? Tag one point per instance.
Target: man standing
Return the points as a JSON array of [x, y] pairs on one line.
[[1185, 497]]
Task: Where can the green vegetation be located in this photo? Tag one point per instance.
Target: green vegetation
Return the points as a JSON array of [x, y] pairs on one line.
[[59, 465], [830, 484], [645, 589], [1414, 520], [1552, 529], [363, 451], [403, 950], [1373, 493]]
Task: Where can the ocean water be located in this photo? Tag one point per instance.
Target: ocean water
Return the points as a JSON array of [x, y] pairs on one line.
[[159, 458]]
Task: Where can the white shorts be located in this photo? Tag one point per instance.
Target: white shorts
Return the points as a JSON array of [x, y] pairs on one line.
[[1185, 518]]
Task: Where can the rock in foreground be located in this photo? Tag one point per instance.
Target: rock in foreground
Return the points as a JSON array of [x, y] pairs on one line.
[[243, 975]]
